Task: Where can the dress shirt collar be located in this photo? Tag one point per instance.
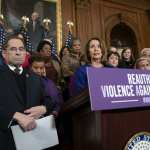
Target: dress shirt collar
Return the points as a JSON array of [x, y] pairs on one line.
[[13, 68]]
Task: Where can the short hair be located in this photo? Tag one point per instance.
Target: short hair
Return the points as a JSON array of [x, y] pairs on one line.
[[102, 46], [41, 45], [73, 40], [113, 53], [37, 58], [144, 50], [76, 39], [5, 45], [141, 59]]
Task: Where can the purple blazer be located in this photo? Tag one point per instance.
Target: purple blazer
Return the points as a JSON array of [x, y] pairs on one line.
[[55, 94]]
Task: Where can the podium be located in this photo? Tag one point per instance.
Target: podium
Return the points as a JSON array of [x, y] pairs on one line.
[[102, 130]]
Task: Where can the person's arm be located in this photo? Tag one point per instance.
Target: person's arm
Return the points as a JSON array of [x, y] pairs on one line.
[[44, 107], [56, 97], [81, 79]]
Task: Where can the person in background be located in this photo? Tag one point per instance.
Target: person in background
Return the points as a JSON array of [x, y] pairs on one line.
[[145, 52], [66, 71], [70, 63], [22, 96], [65, 51], [112, 49], [77, 51], [127, 58], [94, 52], [37, 65], [113, 59], [143, 63], [53, 69], [35, 30]]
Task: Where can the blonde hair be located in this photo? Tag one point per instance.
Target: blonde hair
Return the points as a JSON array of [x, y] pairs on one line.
[[139, 60], [144, 50]]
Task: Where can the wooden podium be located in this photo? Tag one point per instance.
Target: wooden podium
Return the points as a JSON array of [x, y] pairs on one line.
[[102, 130]]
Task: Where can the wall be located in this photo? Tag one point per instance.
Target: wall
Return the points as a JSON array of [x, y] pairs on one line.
[[97, 17]]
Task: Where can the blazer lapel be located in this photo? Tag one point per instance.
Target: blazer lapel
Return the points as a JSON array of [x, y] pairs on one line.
[[13, 86], [29, 89]]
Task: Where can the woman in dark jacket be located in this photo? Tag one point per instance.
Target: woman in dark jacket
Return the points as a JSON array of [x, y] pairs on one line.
[[127, 58]]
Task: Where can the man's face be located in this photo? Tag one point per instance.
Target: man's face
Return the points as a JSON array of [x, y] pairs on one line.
[[34, 16], [15, 52], [38, 67]]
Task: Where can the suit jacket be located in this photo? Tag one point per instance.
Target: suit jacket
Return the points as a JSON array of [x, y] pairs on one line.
[[37, 35], [11, 101]]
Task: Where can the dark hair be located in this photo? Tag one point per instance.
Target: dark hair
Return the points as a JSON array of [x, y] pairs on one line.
[[36, 57], [113, 53], [126, 48], [72, 42], [87, 53], [5, 45], [61, 51], [41, 45]]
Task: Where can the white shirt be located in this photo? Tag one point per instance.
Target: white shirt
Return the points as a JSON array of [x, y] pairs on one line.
[[13, 68]]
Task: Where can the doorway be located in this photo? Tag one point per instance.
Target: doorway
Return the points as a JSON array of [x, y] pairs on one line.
[[122, 36]]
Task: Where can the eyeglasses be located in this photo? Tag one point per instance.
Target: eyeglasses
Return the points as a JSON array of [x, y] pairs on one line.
[[14, 49]]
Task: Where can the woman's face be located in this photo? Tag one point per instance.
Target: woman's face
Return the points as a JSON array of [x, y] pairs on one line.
[[113, 60], [65, 52], [127, 54], [95, 50], [144, 65], [76, 46], [46, 50], [146, 53]]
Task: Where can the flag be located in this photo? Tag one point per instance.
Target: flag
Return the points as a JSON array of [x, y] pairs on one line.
[[69, 40], [26, 36], [54, 51], [2, 37]]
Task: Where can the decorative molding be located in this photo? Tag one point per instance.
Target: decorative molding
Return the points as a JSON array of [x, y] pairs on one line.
[[59, 24], [115, 19], [83, 3]]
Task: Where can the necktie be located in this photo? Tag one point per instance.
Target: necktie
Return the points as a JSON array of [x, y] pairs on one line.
[[33, 26], [17, 70]]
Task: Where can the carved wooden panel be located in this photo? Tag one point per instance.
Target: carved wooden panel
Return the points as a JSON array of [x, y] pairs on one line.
[[116, 13], [83, 3], [95, 17], [68, 14]]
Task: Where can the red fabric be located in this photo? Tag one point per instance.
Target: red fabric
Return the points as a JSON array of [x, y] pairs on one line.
[[26, 62]]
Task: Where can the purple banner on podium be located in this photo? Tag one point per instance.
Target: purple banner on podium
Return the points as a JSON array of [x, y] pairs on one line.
[[111, 88]]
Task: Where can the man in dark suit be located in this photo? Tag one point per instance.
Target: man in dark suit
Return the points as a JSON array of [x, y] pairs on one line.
[[35, 30], [22, 98]]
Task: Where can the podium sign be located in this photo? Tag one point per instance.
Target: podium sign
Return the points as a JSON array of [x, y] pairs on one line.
[[111, 88]]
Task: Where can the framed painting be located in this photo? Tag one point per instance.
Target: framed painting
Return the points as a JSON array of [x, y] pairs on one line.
[[13, 10]]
